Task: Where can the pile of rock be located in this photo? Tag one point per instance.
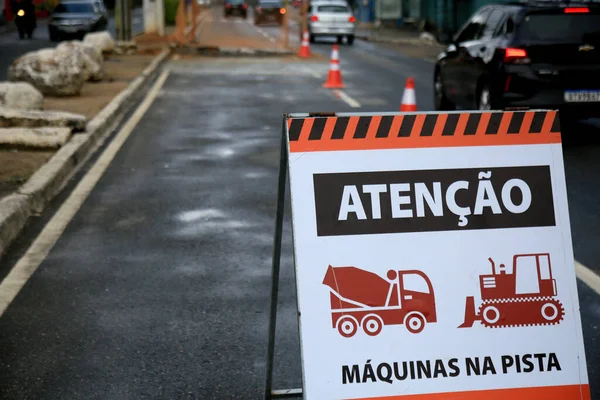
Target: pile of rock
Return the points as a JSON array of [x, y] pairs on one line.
[[59, 71], [24, 124], [63, 70]]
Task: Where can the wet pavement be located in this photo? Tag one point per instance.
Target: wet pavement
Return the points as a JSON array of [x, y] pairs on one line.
[[159, 286]]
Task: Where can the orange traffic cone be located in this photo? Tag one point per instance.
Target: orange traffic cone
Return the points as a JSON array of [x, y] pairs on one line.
[[304, 48], [409, 98], [334, 77]]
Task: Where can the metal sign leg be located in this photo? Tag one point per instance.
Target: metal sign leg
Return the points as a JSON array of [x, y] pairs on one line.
[[283, 159]]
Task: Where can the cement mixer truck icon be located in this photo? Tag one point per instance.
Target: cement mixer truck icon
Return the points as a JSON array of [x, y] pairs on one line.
[[363, 299]]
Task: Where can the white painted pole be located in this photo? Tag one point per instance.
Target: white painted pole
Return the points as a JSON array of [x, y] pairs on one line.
[[150, 20], [160, 17]]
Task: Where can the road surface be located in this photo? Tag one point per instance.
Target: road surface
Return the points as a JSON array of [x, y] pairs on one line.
[[158, 288], [11, 47]]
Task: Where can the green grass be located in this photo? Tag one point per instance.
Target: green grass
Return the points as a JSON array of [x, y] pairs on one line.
[[171, 11]]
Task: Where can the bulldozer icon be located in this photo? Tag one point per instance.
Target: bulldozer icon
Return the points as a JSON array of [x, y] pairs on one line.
[[364, 299], [524, 297]]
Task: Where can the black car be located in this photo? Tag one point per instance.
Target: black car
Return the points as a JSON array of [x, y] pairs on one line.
[[76, 18], [236, 7], [524, 55], [269, 11]]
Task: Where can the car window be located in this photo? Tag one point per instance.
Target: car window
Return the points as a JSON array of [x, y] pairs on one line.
[[563, 28], [492, 23], [333, 9], [473, 28], [235, 2], [270, 4], [74, 8]]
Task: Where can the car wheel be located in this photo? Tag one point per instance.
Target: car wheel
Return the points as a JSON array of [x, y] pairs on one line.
[[350, 39], [441, 102], [340, 39], [484, 98], [311, 38], [568, 125]]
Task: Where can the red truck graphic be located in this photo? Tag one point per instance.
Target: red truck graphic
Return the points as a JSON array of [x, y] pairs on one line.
[[525, 297], [363, 299]]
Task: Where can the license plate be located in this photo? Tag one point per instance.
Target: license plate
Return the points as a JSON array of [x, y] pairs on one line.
[[582, 96]]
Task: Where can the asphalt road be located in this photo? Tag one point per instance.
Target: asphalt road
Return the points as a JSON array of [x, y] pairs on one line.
[[11, 47], [159, 286]]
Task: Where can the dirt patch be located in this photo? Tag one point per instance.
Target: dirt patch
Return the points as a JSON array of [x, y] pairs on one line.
[[120, 70], [16, 166]]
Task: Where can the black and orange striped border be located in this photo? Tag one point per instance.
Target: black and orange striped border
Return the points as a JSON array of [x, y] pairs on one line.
[[332, 133]]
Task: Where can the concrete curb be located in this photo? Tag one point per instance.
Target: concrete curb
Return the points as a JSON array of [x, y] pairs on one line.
[[416, 42], [49, 180], [233, 51]]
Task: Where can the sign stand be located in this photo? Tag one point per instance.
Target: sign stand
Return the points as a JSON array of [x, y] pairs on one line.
[[357, 195], [276, 262]]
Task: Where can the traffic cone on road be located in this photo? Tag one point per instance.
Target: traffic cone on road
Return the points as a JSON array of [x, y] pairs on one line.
[[334, 77], [409, 98], [304, 47]]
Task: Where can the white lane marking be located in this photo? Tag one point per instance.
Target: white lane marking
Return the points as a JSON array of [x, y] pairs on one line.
[[39, 249], [588, 276], [346, 98], [316, 74]]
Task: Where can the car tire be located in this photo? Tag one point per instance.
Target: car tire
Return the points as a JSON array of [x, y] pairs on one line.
[[311, 38], [568, 125], [53, 36], [441, 102], [350, 40], [340, 39]]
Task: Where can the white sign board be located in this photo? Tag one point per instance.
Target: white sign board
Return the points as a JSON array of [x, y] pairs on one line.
[[433, 257]]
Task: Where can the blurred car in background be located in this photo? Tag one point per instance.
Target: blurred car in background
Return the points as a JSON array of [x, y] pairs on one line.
[[331, 18], [75, 18], [534, 54], [235, 7], [269, 11]]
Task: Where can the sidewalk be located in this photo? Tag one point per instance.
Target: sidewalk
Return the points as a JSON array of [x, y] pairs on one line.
[[407, 40], [233, 32]]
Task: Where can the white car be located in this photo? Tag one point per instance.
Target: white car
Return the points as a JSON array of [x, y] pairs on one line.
[[331, 18]]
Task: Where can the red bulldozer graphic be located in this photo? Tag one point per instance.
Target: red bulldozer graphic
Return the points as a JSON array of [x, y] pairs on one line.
[[364, 299], [525, 297]]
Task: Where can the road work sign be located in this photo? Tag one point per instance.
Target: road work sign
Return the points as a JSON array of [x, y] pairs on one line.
[[433, 257]]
